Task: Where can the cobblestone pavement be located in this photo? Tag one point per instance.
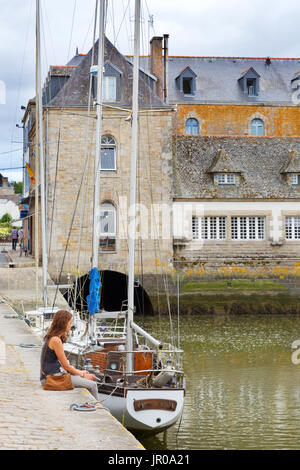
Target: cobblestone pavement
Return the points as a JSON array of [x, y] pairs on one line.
[[32, 418]]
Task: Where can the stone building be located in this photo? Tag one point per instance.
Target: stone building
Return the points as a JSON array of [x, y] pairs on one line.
[[70, 148], [219, 144], [236, 167]]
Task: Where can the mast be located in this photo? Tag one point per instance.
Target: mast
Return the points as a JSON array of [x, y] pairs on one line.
[[132, 208], [95, 252], [40, 137], [93, 299]]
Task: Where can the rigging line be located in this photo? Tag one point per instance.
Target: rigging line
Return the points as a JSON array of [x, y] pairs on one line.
[[124, 16], [157, 238], [141, 249], [44, 40], [69, 233], [12, 168], [90, 25], [111, 13], [122, 20], [22, 68], [59, 78], [54, 194], [72, 27], [86, 142], [11, 151]]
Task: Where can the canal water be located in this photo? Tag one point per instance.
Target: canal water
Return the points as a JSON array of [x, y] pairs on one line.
[[242, 388]]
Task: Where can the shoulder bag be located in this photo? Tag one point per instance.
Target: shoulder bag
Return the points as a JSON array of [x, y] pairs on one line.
[[56, 382]]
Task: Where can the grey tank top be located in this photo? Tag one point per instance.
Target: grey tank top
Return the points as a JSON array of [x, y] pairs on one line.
[[50, 364]]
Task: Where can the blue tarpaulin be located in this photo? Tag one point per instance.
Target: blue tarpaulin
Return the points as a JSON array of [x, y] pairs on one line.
[[93, 299]]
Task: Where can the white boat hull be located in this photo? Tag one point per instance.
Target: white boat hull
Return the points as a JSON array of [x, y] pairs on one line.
[[144, 420]]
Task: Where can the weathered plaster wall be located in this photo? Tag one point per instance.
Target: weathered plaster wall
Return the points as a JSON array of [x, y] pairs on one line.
[[235, 120]]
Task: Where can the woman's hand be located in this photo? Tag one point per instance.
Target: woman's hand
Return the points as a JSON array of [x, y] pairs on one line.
[[87, 375]]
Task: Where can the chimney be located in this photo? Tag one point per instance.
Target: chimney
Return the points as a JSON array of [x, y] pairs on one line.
[[156, 63]]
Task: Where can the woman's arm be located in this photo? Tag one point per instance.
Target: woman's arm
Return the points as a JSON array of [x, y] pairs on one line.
[[55, 343]]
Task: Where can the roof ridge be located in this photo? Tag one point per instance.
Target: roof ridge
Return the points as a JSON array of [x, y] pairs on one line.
[[228, 57]]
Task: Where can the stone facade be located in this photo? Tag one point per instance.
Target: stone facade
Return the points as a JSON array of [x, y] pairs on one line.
[[154, 188]]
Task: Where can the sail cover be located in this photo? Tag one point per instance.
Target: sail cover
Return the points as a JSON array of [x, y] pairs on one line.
[[93, 299]]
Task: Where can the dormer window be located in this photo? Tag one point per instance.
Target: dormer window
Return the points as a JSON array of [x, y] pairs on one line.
[[296, 179], [249, 82], [111, 82], [225, 178], [291, 169], [186, 82], [296, 81], [251, 86], [109, 90], [187, 85]]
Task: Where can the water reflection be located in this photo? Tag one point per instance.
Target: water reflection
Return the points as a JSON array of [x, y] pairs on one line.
[[242, 388]]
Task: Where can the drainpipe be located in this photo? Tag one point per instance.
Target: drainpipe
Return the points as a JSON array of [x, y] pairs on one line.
[[166, 68]]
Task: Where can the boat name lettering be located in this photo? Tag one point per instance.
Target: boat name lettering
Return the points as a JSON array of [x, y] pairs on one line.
[[155, 404]]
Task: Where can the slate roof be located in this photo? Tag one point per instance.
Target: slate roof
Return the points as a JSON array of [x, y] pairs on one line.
[[293, 163], [259, 160], [224, 162], [217, 78], [75, 91]]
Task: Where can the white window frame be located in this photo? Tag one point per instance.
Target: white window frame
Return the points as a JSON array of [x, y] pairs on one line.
[[248, 228], [292, 228], [225, 178], [296, 179], [107, 81], [255, 125], [209, 228], [110, 210], [108, 142]]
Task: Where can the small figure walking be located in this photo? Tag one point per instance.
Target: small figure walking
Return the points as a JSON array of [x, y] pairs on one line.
[[14, 238], [21, 240]]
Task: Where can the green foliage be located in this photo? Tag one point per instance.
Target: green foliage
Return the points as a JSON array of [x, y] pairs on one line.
[[4, 232], [18, 187], [6, 218], [5, 226]]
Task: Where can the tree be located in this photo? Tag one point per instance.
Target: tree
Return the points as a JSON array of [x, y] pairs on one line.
[[6, 218], [18, 187]]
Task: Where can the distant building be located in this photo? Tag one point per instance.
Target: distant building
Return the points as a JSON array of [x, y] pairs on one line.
[[7, 189]]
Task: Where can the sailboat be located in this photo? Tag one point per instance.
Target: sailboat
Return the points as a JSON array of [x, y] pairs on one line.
[[140, 379]]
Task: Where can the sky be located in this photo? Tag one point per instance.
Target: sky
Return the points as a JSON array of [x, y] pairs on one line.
[[256, 28]]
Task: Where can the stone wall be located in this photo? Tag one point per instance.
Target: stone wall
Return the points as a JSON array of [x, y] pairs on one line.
[[154, 187]]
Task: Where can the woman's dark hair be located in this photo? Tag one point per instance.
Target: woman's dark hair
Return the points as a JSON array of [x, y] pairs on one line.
[[59, 325]]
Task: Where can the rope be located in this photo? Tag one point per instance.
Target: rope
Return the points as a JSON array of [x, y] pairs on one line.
[[90, 406]]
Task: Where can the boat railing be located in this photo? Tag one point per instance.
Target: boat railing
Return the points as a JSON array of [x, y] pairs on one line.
[[153, 360]]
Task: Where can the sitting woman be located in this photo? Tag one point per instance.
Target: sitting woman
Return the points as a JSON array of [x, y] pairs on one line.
[[54, 361]]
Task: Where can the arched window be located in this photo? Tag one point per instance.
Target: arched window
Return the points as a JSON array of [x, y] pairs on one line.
[[108, 153], [192, 126], [257, 127], [107, 226]]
